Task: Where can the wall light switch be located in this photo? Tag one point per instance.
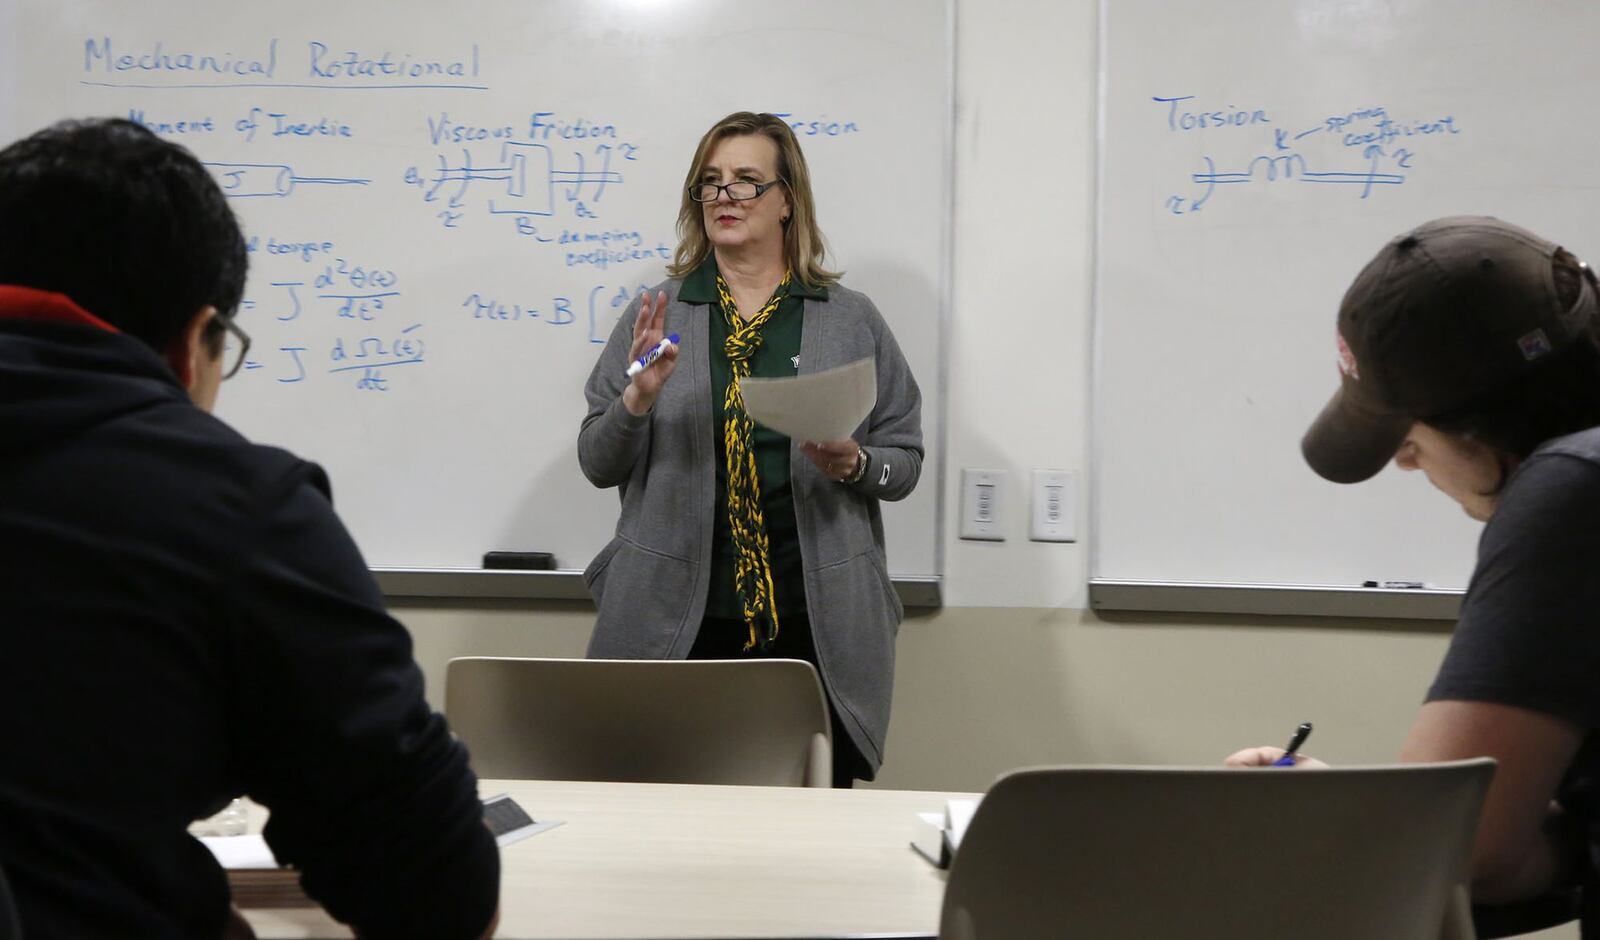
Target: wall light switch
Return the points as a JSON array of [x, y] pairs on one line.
[[982, 502], [1054, 506]]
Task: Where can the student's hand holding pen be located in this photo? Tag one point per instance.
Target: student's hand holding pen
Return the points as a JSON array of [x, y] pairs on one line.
[[1268, 756]]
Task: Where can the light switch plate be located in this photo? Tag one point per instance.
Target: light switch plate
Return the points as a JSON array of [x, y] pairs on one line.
[[983, 504], [1052, 514]]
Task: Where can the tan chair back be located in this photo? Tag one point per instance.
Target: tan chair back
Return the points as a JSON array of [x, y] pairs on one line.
[[1377, 853], [753, 722]]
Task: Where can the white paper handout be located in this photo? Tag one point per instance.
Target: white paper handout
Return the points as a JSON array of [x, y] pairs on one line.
[[822, 406]]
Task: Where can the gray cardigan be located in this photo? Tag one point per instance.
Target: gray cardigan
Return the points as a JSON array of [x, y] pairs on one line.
[[650, 582]]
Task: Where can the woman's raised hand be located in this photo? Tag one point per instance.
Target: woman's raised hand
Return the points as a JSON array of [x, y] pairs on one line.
[[649, 328]]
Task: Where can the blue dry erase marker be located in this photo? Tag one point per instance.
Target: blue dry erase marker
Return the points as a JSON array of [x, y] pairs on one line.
[[1397, 585], [1300, 735], [643, 362]]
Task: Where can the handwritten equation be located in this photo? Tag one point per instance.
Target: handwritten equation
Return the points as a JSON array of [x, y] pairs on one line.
[[310, 287], [1360, 149], [337, 290]]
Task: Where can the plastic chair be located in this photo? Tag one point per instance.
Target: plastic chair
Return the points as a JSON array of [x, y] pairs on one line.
[[754, 722], [1377, 853]]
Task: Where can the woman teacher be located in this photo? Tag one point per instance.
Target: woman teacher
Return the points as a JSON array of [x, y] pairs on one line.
[[734, 540]]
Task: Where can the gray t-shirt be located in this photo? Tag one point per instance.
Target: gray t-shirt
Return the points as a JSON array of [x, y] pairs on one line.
[[1529, 634]]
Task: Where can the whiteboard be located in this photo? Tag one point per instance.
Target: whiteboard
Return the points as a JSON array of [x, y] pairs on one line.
[[449, 206], [1254, 155]]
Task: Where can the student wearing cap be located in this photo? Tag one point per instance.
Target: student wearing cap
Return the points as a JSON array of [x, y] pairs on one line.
[[1469, 349]]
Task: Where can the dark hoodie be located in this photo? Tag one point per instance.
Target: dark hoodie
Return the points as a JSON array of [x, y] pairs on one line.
[[183, 619]]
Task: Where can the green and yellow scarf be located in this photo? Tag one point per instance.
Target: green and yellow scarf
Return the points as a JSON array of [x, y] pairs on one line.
[[753, 566]]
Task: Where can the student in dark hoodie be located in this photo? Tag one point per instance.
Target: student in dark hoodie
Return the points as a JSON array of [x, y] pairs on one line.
[[183, 619]]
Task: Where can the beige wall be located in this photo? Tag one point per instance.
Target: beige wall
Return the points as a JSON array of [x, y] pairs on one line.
[[1013, 671], [982, 690]]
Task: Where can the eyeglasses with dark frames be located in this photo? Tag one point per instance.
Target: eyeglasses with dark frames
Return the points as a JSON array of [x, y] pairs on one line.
[[738, 190], [237, 339]]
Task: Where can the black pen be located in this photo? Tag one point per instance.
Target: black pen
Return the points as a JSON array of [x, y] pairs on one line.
[[1300, 735]]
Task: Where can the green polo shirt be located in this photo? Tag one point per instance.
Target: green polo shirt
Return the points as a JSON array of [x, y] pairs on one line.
[[778, 357]]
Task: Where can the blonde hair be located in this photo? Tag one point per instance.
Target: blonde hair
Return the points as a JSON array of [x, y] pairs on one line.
[[803, 245]]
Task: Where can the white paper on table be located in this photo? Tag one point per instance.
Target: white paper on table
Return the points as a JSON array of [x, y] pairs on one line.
[[241, 851], [927, 837], [958, 814], [823, 406]]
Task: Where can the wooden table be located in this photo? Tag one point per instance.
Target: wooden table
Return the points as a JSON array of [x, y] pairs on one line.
[[670, 861]]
